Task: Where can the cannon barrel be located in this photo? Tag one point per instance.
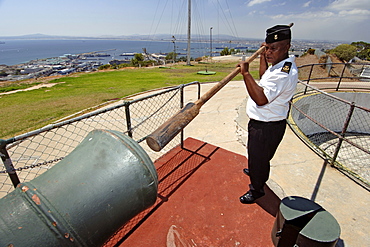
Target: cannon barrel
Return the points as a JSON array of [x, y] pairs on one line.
[[85, 198]]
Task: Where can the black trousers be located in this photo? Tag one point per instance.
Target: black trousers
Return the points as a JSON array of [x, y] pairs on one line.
[[263, 140]]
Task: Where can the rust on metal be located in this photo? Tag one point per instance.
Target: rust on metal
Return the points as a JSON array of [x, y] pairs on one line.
[[36, 199], [25, 188]]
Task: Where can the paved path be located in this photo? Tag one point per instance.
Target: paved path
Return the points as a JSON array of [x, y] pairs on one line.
[[295, 170]]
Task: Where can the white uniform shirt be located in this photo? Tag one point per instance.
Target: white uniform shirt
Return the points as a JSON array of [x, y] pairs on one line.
[[279, 83]]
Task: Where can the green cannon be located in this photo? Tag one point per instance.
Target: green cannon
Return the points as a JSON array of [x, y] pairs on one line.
[[85, 198]]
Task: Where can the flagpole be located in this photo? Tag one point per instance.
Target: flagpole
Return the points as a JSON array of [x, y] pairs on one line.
[[189, 30]]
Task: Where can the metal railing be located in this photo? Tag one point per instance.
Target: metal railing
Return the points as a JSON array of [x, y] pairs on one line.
[[28, 155], [343, 75], [332, 116]]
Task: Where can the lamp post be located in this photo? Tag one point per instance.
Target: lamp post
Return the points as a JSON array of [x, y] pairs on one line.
[[210, 38], [174, 48]]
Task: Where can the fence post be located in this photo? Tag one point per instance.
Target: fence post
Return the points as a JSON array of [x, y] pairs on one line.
[[128, 119], [8, 164], [341, 76], [309, 77], [181, 106], [344, 130]]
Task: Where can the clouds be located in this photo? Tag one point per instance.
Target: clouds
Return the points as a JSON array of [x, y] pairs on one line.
[[305, 16], [307, 4], [318, 19], [339, 5], [355, 10], [338, 11], [355, 14], [314, 19], [254, 2], [338, 8]]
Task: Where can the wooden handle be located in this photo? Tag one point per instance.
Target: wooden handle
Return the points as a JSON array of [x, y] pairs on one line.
[[168, 130], [205, 97]]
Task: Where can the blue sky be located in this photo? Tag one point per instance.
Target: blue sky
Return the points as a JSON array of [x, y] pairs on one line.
[[347, 20]]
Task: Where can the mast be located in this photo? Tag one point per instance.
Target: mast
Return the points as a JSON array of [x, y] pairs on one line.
[[189, 30]]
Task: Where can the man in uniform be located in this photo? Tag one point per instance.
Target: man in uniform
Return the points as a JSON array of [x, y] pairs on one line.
[[268, 106]]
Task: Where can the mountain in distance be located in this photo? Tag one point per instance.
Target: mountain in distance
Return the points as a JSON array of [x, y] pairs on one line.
[[160, 37], [219, 38], [38, 36]]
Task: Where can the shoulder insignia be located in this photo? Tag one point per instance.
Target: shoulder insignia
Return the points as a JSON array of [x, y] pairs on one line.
[[286, 67]]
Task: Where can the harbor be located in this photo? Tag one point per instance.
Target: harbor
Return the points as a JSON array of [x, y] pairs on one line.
[[27, 59]]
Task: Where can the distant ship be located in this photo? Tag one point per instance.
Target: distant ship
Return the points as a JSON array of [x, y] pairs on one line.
[[128, 54]]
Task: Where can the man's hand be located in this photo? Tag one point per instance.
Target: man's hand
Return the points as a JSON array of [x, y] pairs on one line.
[[264, 52], [244, 68]]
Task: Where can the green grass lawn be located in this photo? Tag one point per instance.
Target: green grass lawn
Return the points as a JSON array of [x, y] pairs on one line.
[[25, 111]]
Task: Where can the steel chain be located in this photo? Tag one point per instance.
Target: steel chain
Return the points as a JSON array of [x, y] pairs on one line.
[[33, 166]]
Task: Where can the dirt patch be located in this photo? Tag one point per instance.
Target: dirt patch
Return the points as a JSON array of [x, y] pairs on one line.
[[319, 71], [307, 59], [228, 58], [42, 85], [322, 71]]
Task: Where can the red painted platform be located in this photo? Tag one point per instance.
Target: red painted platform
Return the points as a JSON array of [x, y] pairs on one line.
[[198, 203]]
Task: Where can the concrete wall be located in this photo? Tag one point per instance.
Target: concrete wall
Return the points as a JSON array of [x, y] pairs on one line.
[[332, 113]]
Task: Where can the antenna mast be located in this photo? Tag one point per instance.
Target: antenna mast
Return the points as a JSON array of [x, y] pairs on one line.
[[189, 30]]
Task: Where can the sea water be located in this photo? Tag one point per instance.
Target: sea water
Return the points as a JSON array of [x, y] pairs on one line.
[[14, 52]]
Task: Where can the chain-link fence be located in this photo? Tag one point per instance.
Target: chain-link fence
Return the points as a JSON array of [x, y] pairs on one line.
[[333, 118], [29, 155]]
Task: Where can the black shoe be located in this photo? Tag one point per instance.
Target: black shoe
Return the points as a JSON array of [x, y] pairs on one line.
[[248, 198], [246, 171]]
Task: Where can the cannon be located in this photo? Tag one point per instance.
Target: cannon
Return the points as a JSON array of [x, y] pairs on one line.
[[85, 198]]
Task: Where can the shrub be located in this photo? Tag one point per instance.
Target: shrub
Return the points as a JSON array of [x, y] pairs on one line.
[[344, 52], [225, 52], [103, 67], [311, 51]]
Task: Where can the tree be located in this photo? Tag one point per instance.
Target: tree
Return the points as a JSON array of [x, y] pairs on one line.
[[363, 49], [364, 54], [344, 52], [361, 45], [225, 52], [103, 67], [138, 59], [171, 56]]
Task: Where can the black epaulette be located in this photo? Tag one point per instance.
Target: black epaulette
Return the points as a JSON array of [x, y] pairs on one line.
[[286, 67]]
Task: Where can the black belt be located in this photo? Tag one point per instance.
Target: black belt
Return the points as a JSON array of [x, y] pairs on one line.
[[268, 123]]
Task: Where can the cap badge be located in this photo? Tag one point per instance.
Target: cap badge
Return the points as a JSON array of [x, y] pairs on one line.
[[276, 37]]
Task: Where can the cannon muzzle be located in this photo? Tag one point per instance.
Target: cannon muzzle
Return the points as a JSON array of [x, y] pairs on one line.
[[85, 198]]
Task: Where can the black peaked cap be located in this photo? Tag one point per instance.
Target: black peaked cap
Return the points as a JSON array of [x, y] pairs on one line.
[[278, 33]]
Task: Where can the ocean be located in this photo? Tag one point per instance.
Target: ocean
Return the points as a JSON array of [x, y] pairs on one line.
[[14, 52]]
